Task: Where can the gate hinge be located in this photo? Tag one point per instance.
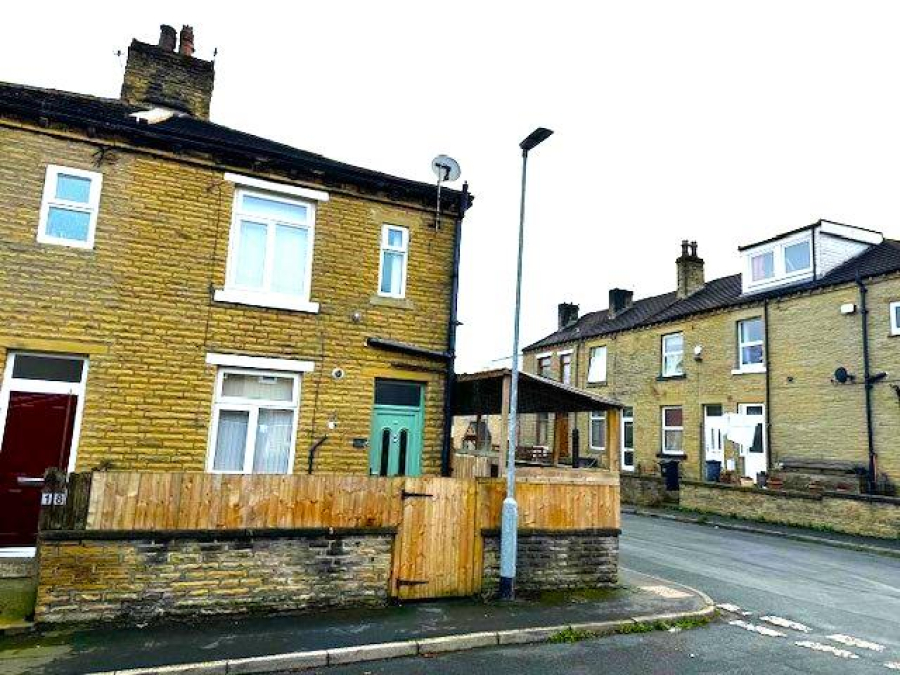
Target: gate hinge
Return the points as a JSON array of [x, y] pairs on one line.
[[411, 582], [407, 495]]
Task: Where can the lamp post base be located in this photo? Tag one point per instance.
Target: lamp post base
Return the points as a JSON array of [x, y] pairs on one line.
[[509, 525]]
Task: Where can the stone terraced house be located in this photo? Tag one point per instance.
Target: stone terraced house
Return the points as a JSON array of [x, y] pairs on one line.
[[177, 295], [805, 341]]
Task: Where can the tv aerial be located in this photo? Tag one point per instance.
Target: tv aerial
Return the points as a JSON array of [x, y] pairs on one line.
[[447, 170]]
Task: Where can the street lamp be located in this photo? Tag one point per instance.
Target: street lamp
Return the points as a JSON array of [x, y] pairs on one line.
[[510, 517]]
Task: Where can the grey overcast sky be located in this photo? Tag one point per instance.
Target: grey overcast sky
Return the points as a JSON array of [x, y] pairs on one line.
[[718, 121]]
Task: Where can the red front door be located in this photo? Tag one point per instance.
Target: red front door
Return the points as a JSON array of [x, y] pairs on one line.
[[38, 436]]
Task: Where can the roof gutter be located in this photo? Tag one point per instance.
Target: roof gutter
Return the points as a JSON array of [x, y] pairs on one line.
[[452, 324]]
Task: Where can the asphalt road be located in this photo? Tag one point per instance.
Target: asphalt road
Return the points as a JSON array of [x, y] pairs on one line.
[[826, 590]]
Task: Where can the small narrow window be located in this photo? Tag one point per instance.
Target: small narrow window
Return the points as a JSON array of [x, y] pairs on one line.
[[69, 207], [565, 368], [597, 366], [598, 430], [672, 430], [394, 250], [673, 355], [542, 428], [751, 344], [628, 439], [895, 318]]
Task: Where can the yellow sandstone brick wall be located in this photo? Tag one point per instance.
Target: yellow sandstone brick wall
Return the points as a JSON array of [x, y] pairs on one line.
[[139, 304], [810, 416]]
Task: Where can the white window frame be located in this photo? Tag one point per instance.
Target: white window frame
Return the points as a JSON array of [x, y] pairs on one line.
[[595, 377], [252, 406], [779, 265], [664, 429], [387, 248], [750, 367], [49, 200], [266, 298], [597, 415], [565, 360], [669, 353], [627, 419], [548, 358], [895, 319]]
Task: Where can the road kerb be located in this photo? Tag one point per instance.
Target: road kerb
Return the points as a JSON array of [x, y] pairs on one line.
[[277, 663]]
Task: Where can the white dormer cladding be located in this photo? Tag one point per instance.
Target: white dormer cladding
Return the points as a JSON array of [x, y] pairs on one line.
[[803, 255]]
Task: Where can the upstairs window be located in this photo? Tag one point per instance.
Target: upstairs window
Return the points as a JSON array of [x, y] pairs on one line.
[[673, 355], [751, 344], [543, 366], [69, 207], [895, 318], [597, 366], [565, 368], [778, 263], [270, 256], [394, 249]]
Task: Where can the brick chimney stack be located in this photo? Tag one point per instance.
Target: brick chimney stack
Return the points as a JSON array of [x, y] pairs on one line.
[[156, 75], [619, 300], [690, 270], [568, 314], [186, 41], [167, 38]]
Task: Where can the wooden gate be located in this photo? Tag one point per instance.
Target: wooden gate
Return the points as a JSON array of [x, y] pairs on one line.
[[434, 555]]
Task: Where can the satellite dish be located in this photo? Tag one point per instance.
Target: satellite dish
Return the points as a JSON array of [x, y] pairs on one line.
[[445, 168]]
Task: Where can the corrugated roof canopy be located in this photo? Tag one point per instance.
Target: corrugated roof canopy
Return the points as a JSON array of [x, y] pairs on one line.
[[482, 393]]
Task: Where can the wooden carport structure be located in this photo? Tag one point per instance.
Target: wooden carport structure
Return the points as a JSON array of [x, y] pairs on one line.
[[488, 393]]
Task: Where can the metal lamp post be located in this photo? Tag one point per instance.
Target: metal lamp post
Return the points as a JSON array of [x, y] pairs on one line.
[[510, 515]]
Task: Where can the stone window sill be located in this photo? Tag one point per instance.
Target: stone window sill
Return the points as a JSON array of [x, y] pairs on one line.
[[666, 378], [748, 371], [396, 303], [265, 301]]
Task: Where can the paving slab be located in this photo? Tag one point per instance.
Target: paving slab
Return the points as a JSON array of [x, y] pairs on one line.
[[239, 639]]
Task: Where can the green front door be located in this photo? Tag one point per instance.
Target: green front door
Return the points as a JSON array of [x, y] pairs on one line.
[[395, 446]]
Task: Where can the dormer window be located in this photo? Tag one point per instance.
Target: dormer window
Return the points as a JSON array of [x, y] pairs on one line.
[[778, 263]]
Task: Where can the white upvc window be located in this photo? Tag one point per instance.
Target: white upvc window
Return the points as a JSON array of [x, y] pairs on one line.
[[597, 365], [895, 318], [270, 251], [781, 261], [565, 367], [628, 439], [394, 254], [673, 355], [69, 207], [544, 366], [254, 422], [751, 345], [598, 430], [672, 430]]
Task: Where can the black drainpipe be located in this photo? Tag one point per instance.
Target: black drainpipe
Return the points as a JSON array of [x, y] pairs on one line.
[[867, 375], [450, 380], [767, 364]]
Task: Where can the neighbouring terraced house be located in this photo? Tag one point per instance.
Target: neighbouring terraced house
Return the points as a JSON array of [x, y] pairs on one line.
[[177, 295], [805, 342]]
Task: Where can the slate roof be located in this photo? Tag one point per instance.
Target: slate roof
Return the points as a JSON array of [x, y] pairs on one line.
[[189, 133], [718, 294]]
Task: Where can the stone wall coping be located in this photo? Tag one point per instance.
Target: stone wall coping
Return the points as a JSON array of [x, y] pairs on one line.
[[214, 535], [795, 494], [538, 532], [643, 478]]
